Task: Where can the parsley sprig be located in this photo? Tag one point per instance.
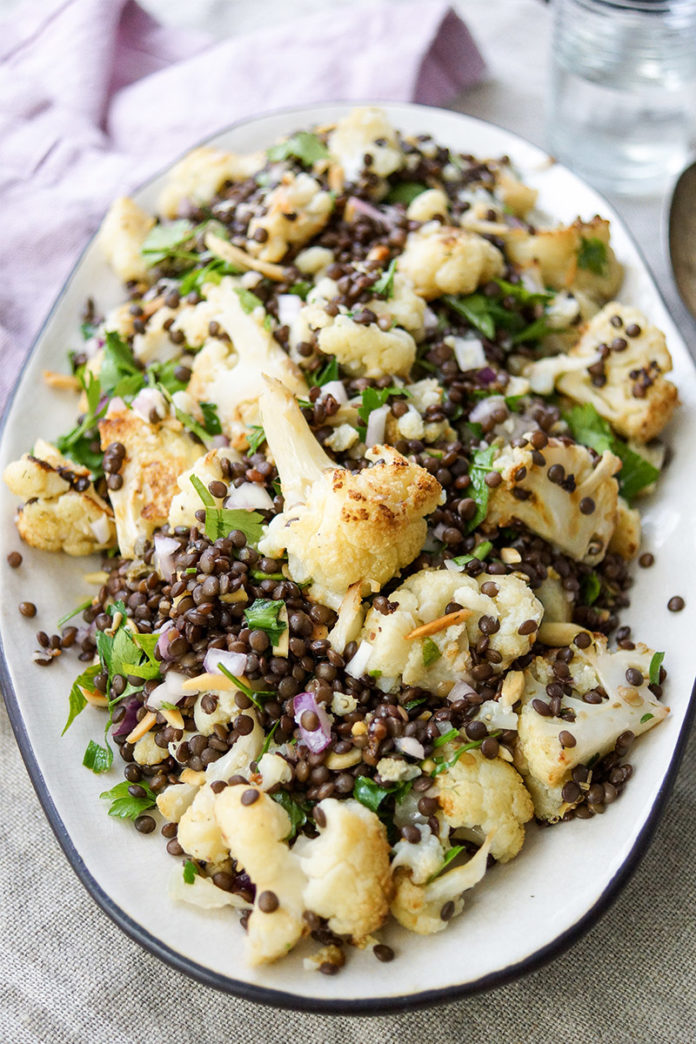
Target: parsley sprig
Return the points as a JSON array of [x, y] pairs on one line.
[[124, 805]]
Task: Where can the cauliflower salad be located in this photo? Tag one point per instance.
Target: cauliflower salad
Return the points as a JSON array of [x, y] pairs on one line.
[[363, 451]]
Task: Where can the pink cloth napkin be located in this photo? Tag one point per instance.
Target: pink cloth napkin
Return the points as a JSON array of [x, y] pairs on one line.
[[95, 96]]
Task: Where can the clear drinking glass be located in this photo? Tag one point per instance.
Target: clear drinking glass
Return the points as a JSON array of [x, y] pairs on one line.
[[623, 90]]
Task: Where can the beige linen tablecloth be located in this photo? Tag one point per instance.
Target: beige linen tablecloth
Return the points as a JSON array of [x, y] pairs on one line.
[[68, 975]]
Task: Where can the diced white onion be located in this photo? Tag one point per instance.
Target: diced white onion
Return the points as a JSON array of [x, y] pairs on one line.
[[410, 746], [248, 497], [233, 662], [165, 549], [170, 691], [358, 665], [376, 423], [337, 389], [100, 528], [469, 353], [289, 307], [483, 410], [115, 406]]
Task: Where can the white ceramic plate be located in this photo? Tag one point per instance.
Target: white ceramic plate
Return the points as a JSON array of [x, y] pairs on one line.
[[522, 913]]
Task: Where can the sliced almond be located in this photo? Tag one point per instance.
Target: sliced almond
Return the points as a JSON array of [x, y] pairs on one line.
[[512, 688], [150, 307], [210, 683], [62, 381], [510, 555], [336, 178], [97, 699], [172, 717], [239, 595], [337, 762], [195, 779], [143, 726], [558, 634], [441, 624], [359, 728], [236, 256], [98, 578]]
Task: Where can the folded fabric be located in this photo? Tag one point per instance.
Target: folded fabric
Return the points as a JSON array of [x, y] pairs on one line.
[[96, 96]]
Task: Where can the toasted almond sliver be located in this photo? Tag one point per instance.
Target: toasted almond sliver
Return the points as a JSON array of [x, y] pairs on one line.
[[441, 624], [336, 178], [98, 578], [150, 307], [236, 256], [210, 683], [510, 556], [143, 726], [557, 634], [513, 687], [95, 698], [172, 717], [358, 729], [195, 779], [337, 762], [63, 381]]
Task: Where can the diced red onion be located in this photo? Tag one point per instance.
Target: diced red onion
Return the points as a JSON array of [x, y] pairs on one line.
[[130, 718], [337, 389], [486, 375], [165, 639], [115, 405], [147, 400], [170, 691], [358, 665], [410, 746], [165, 549], [219, 442], [289, 306], [233, 662], [250, 496], [318, 739], [388, 216], [485, 408], [461, 690], [376, 423]]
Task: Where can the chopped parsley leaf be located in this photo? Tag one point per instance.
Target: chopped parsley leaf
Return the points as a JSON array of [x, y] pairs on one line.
[[405, 192], [385, 284], [303, 146], [593, 256], [480, 466], [586, 426], [124, 805], [431, 652], [655, 666], [263, 614]]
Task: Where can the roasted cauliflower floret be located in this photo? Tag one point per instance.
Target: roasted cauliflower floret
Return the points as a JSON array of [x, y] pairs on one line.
[[348, 873], [367, 350], [198, 176], [256, 835], [231, 375], [294, 211], [156, 454], [362, 131], [418, 906], [421, 645], [199, 833], [620, 375], [428, 205], [339, 527], [62, 510], [486, 795], [364, 349], [122, 234], [570, 499], [208, 468], [545, 762], [439, 259], [570, 257], [625, 540]]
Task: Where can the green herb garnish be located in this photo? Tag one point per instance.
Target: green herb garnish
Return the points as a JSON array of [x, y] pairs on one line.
[[371, 794], [77, 699], [299, 813], [256, 437], [442, 764], [405, 192], [163, 241], [328, 373], [247, 300], [263, 614], [480, 552], [190, 872], [450, 856], [303, 146], [385, 284], [431, 653], [586, 426], [481, 465], [593, 256], [655, 665], [123, 805], [591, 588], [97, 758]]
